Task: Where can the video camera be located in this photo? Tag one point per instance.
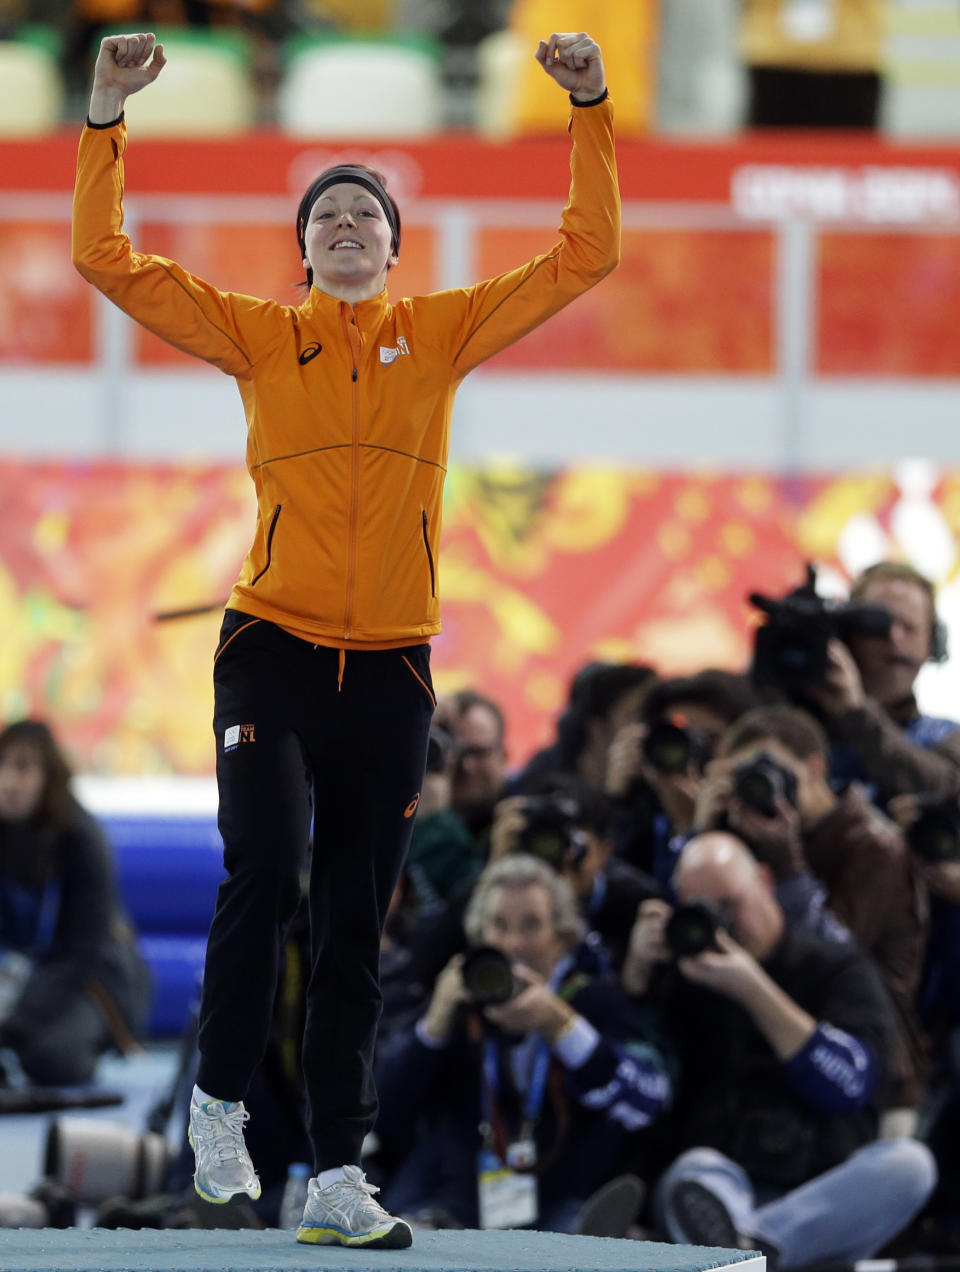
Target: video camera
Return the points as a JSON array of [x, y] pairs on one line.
[[935, 835], [790, 649], [692, 927], [552, 830]]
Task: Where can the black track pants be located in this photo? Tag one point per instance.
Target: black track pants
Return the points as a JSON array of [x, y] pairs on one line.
[[302, 729]]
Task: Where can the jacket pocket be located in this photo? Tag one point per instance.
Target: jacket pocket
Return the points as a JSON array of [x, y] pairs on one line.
[[270, 533], [426, 543]]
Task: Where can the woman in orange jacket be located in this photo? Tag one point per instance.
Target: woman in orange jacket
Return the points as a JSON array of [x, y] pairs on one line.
[[348, 400]]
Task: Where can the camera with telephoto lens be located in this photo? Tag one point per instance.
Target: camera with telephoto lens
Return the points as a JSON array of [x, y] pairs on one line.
[[670, 746], [692, 927], [761, 782], [488, 976], [790, 648], [552, 830], [935, 835]]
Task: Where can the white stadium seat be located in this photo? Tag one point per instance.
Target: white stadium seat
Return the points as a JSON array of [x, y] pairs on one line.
[[205, 90], [31, 90], [362, 88]]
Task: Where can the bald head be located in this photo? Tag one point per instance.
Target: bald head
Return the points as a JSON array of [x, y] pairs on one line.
[[716, 853], [720, 867]]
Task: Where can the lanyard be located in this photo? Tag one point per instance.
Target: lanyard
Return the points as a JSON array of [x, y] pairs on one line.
[[539, 1070], [536, 1087]]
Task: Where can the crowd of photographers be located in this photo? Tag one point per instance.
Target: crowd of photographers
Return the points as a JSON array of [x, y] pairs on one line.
[[691, 972]]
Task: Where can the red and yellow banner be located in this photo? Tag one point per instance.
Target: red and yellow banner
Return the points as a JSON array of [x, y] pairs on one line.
[[539, 572]]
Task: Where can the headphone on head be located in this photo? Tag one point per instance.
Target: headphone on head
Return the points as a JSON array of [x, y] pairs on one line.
[[939, 645]]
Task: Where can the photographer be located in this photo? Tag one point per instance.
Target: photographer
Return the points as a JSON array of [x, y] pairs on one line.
[[569, 824], [658, 761], [855, 665], [782, 1039], [603, 698], [530, 1044], [869, 878]]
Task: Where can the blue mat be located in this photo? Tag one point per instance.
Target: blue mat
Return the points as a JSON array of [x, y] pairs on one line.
[[101, 1250]]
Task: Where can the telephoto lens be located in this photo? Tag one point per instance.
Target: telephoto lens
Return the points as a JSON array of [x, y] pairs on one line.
[[488, 976]]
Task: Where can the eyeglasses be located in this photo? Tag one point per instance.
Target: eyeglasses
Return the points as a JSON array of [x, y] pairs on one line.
[[478, 752]]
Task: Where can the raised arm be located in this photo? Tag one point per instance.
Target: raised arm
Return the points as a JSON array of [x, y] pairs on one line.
[[228, 330], [475, 323]]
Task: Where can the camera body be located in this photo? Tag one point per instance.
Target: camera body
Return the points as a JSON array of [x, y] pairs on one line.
[[488, 976], [935, 835], [552, 831], [692, 927], [762, 781], [671, 747], [790, 649]]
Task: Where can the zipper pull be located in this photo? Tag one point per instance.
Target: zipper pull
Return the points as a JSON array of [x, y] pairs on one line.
[[354, 376]]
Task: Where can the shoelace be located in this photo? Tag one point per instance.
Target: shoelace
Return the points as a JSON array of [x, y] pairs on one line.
[[345, 1192], [227, 1134]]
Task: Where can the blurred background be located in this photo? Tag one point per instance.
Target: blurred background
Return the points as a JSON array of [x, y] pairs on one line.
[[772, 376]]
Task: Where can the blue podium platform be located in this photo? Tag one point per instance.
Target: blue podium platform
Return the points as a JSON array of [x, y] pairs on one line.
[[103, 1250]]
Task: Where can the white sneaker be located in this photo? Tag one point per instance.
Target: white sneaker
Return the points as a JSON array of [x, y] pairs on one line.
[[344, 1213], [224, 1168]]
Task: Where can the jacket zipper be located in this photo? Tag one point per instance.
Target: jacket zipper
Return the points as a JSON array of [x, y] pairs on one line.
[[355, 343], [426, 544], [273, 525]]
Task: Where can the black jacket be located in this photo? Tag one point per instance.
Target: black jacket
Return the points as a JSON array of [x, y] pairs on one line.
[[89, 947], [735, 1095]]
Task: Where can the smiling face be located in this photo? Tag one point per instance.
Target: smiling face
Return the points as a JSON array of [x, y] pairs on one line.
[[348, 243]]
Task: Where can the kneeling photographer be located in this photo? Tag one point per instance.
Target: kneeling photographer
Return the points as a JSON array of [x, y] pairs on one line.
[[855, 666], [520, 1088], [771, 789], [782, 1039]]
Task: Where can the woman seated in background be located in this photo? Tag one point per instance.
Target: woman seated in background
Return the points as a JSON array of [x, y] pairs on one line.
[[72, 982]]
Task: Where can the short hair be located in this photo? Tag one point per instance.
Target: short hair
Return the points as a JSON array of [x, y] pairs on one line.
[[726, 692], [598, 686], [898, 572], [57, 804], [521, 870], [594, 810], [796, 731], [466, 699]]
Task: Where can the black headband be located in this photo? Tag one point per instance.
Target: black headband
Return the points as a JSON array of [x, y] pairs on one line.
[[356, 176]]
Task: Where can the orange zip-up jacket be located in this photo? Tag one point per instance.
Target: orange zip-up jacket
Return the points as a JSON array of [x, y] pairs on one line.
[[348, 406]]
